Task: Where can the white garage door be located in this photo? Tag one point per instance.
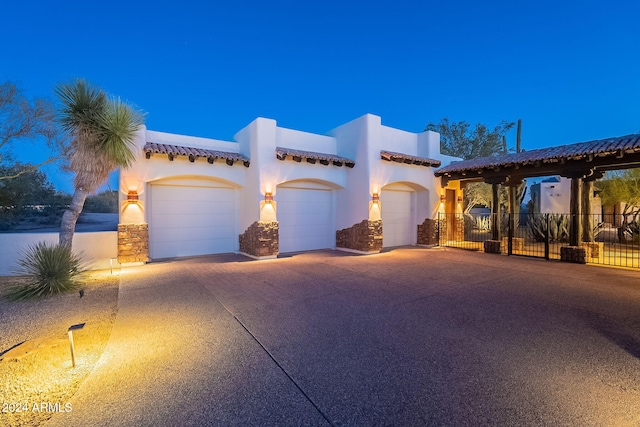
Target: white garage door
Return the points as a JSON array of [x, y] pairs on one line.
[[187, 221], [397, 229], [305, 219]]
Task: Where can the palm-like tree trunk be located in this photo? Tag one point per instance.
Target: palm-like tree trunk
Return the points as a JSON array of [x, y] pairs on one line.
[[70, 216]]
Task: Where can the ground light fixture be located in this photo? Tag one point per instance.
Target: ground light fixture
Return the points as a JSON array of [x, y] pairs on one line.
[[73, 351]]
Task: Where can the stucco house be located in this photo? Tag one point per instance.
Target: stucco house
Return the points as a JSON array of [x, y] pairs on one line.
[[553, 195], [361, 187]]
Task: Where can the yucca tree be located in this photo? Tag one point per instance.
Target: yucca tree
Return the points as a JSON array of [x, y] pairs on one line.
[[102, 131]]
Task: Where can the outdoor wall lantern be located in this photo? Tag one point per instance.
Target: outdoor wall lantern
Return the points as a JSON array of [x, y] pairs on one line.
[[375, 198], [132, 197], [268, 197], [442, 198], [459, 198]]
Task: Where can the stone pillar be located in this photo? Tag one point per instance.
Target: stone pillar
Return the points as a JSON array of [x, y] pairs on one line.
[[365, 237], [133, 243], [261, 240], [428, 232]]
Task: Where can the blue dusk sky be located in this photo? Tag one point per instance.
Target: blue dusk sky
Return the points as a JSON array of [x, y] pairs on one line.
[[569, 69]]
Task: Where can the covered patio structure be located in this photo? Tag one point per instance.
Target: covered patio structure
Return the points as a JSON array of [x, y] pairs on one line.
[[583, 163]]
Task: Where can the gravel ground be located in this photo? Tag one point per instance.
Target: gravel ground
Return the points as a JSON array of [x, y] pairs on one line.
[[36, 376]]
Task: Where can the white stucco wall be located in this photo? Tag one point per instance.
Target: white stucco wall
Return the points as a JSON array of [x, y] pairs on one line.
[[97, 247], [360, 140], [353, 204], [555, 197], [299, 140], [144, 171]]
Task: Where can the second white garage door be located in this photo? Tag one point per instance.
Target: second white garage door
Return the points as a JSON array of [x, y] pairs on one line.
[[305, 219], [186, 221], [397, 229]]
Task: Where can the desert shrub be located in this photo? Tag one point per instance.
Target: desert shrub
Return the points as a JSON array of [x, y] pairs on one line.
[[50, 269], [558, 227]]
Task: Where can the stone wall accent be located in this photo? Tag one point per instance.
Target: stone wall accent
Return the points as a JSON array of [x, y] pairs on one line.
[[493, 246], [459, 227], [133, 243], [594, 250], [575, 254], [518, 244], [365, 236], [261, 239], [428, 232]]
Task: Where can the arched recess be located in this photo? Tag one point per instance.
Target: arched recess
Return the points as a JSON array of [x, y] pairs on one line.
[[192, 215], [403, 206], [306, 212]]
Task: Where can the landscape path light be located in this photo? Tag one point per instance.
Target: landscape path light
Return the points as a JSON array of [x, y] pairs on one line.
[[73, 351]]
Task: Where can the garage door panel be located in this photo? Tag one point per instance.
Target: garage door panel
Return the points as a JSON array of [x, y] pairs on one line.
[[162, 207], [193, 234], [397, 229], [189, 221], [306, 219]]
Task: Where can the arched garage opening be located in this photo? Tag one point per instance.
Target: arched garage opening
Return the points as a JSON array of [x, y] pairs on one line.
[[403, 206], [306, 212], [190, 216]]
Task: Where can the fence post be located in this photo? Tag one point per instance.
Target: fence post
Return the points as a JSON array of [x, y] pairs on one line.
[[546, 238], [510, 234]]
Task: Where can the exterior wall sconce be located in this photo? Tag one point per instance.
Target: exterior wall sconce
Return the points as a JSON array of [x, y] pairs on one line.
[[268, 197], [442, 198], [132, 197], [459, 198], [375, 198]]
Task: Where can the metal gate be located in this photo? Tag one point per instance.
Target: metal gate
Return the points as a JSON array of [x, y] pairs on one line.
[[614, 242]]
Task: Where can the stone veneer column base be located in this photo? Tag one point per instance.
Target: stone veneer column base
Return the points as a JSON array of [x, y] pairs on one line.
[[364, 237], [428, 232], [133, 243], [575, 254], [493, 246], [260, 240], [518, 244], [594, 251]]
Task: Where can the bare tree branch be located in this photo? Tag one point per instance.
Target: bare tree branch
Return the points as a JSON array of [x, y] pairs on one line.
[[25, 121]]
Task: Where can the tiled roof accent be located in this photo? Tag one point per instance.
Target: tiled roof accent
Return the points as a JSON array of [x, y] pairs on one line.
[[193, 153], [409, 159], [615, 147], [312, 157]]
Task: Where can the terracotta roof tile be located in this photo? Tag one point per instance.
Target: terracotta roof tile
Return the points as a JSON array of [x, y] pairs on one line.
[[193, 153], [312, 157], [409, 159], [582, 150]]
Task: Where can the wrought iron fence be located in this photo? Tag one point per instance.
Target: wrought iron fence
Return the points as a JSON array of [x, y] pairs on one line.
[[608, 240]]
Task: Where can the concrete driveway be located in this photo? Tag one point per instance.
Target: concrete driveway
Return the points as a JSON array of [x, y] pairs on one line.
[[408, 337]]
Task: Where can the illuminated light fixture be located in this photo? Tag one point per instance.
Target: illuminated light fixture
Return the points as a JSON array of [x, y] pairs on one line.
[[132, 197], [73, 350], [459, 198], [442, 198], [268, 197], [375, 198]]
